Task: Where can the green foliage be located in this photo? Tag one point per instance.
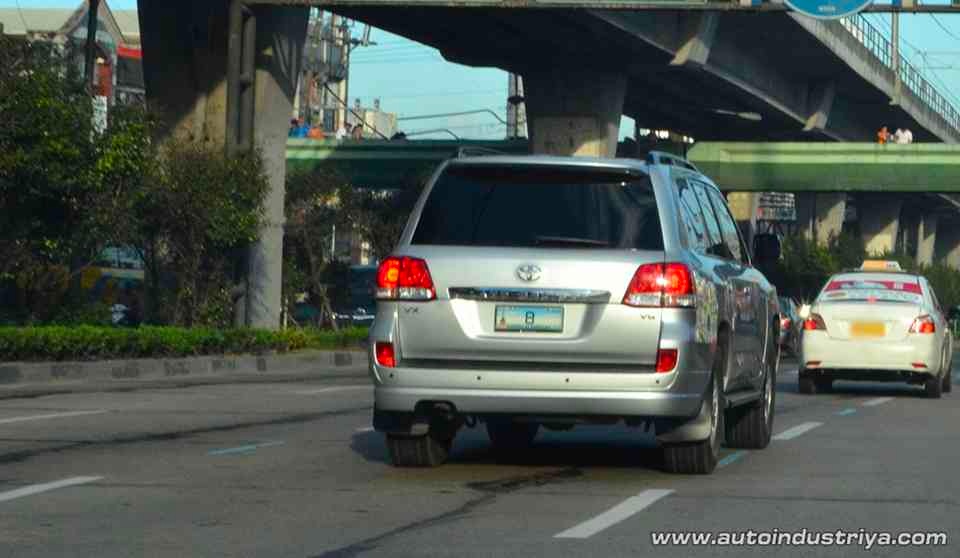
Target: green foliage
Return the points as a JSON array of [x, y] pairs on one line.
[[56, 343], [806, 266]]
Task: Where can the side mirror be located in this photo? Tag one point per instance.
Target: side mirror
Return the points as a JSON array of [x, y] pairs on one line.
[[804, 312], [766, 249]]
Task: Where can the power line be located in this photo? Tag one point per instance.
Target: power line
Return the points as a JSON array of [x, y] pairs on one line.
[[944, 27], [26, 28], [353, 112]]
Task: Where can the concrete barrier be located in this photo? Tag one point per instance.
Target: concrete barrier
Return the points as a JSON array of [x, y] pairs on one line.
[[15, 374]]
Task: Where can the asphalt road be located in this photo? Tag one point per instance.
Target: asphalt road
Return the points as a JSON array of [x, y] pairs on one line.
[[292, 470]]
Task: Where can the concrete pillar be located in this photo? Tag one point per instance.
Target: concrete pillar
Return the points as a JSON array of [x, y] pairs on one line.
[[743, 206], [948, 243], [830, 208], [574, 111], [806, 205], [281, 33], [879, 224], [926, 238], [185, 66]]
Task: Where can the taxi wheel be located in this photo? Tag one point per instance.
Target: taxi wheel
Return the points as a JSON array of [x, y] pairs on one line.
[[933, 387], [807, 385], [947, 382], [418, 451]]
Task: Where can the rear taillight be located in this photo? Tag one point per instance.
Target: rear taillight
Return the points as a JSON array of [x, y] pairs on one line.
[[923, 324], [404, 279], [785, 324], [661, 285], [814, 323], [666, 360], [385, 354]]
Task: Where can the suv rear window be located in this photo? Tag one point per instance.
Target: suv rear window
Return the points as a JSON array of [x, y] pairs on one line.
[[540, 206]]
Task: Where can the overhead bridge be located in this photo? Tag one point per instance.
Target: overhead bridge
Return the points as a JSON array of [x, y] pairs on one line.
[[906, 197], [734, 166]]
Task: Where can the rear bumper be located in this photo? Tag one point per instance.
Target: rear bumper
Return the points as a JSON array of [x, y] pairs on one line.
[[818, 351], [545, 402]]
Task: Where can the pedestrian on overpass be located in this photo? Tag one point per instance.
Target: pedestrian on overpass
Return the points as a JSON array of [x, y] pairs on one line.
[[883, 136]]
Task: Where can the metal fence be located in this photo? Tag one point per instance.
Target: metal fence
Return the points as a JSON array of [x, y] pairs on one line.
[[879, 45]]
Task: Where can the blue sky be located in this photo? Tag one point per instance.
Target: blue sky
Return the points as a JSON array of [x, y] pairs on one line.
[[412, 79]]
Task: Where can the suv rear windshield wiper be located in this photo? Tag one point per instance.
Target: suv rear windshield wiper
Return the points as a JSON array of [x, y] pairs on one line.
[[569, 241]]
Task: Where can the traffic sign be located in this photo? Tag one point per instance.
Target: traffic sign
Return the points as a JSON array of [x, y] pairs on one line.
[[828, 9]]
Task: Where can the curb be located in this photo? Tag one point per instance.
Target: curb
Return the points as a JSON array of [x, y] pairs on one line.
[[13, 374]]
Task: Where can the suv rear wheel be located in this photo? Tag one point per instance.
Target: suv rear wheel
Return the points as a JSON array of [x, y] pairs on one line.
[[418, 451], [700, 458]]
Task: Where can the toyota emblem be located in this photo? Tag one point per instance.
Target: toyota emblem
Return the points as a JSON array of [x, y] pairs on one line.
[[528, 272]]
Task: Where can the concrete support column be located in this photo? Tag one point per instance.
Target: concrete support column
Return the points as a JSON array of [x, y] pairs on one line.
[[926, 238], [806, 206], [743, 206], [948, 243], [574, 111], [185, 66], [829, 209], [281, 33], [879, 224]]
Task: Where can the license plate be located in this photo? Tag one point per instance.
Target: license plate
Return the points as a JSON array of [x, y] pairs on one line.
[[867, 329], [545, 319]]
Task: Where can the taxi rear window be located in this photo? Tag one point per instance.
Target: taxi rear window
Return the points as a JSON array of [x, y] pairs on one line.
[[846, 289]]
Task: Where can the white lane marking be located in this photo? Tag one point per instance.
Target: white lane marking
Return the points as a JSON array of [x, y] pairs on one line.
[[364, 429], [51, 416], [38, 488], [731, 458], [875, 402], [797, 430], [614, 515], [334, 389], [249, 448]]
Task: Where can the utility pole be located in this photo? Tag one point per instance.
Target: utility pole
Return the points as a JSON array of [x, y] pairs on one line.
[[89, 65]]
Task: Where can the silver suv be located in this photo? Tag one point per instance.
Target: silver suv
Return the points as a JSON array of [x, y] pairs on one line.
[[532, 291]]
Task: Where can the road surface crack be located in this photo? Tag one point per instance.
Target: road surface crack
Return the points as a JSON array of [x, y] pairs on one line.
[[489, 491]]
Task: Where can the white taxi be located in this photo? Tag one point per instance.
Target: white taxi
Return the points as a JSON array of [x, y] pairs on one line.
[[876, 324]]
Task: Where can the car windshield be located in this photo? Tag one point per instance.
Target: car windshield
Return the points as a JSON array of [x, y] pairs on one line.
[[541, 206], [872, 288]]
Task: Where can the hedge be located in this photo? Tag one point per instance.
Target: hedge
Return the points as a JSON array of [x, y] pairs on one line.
[[53, 343]]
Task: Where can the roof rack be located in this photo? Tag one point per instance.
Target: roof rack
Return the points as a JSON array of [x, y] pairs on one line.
[[664, 158], [476, 152]]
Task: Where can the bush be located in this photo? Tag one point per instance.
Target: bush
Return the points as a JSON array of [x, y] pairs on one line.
[[54, 343]]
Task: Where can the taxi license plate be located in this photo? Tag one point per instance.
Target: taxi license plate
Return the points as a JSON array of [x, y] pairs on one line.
[[867, 329], [543, 319]]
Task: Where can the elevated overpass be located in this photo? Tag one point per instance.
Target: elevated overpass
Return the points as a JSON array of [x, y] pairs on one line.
[[906, 196], [225, 72]]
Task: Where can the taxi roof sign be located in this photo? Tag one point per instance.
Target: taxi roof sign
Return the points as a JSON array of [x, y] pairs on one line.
[[880, 265]]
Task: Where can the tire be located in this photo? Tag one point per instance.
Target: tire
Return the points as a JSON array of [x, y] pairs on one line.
[[508, 436], [700, 458], [807, 386], [947, 381], [418, 451], [933, 387], [823, 384], [751, 426]]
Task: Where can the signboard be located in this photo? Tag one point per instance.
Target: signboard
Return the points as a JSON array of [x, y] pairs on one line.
[[100, 109], [776, 206], [828, 9]]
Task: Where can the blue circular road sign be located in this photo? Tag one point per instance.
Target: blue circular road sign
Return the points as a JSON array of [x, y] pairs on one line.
[[828, 9]]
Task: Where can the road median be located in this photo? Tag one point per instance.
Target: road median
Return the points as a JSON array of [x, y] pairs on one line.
[[308, 363]]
